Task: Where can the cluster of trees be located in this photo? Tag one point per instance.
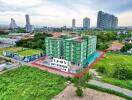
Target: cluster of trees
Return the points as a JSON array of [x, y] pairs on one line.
[[127, 47], [18, 30], [4, 33], [103, 37], [38, 42]]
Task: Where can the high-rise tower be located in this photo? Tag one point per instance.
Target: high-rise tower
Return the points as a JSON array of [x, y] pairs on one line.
[[86, 23], [106, 21], [73, 23], [28, 25], [13, 24]]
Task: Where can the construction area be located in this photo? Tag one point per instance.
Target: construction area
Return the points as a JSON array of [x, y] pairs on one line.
[[69, 54], [74, 49]]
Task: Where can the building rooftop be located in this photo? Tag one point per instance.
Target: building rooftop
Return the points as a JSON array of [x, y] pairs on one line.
[[72, 38], [56, 34], [78, 39]]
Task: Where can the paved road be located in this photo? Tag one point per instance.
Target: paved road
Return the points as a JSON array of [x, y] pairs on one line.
[[112, 87]]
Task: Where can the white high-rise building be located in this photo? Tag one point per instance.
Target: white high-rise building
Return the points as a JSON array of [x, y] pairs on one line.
[[86, 23], [13, 24]]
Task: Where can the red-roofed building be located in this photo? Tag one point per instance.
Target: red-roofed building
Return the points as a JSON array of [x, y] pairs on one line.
[[56, 34], [115, 46]]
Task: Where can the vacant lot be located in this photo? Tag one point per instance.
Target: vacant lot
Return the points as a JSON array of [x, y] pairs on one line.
[[11, 49], [29, 52], [30, 83], [17, 50], [89, 94], [109, 62]]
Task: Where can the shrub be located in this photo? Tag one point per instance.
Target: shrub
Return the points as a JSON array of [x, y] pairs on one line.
[[79, 91], [101, 69], [122, 73], [85, 77], [69, 79], [80, 81]]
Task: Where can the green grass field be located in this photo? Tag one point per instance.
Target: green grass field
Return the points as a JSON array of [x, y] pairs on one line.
[[30, 83], [29, 52], [109, 61], [12, 49], [3, 36]]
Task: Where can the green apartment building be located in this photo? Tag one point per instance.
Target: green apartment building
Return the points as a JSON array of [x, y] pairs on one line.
[[74, 49]]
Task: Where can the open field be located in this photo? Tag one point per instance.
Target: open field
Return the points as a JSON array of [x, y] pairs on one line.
[[12, 49], [29, 52], [30, 83], [109, 62]]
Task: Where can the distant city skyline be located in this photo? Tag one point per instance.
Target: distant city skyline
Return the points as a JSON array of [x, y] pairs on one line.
[[58, 13]]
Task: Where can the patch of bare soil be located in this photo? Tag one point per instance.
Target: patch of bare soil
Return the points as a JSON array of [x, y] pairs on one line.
[[89, 94]]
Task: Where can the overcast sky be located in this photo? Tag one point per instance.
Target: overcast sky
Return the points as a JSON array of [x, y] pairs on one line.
[[61, 12]]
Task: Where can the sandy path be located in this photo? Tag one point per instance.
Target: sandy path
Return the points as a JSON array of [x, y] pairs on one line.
[[90, 94]]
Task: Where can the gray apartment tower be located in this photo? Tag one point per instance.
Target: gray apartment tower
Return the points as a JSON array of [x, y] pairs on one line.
[[73, 23], [28, 25], [106, 21], [86, 23]]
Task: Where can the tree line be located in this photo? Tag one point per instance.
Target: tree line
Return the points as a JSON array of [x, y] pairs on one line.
[[38, 42]]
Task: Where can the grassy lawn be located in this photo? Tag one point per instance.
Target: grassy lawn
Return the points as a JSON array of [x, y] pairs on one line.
[[109, 61], [30, 83], [3, 36], [29, 52], [12, 49]]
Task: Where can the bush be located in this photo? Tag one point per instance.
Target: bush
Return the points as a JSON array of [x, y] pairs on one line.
[[79, 91], [101, 69], [80, 81], [85, 77], [127, 47], [122, 73]]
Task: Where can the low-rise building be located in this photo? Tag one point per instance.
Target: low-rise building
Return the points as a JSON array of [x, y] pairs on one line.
[[74, 49], [9, 41], [129, 40], [115, 46]]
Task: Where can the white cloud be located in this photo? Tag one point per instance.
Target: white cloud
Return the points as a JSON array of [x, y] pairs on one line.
[[125, 18], [22, 2]]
